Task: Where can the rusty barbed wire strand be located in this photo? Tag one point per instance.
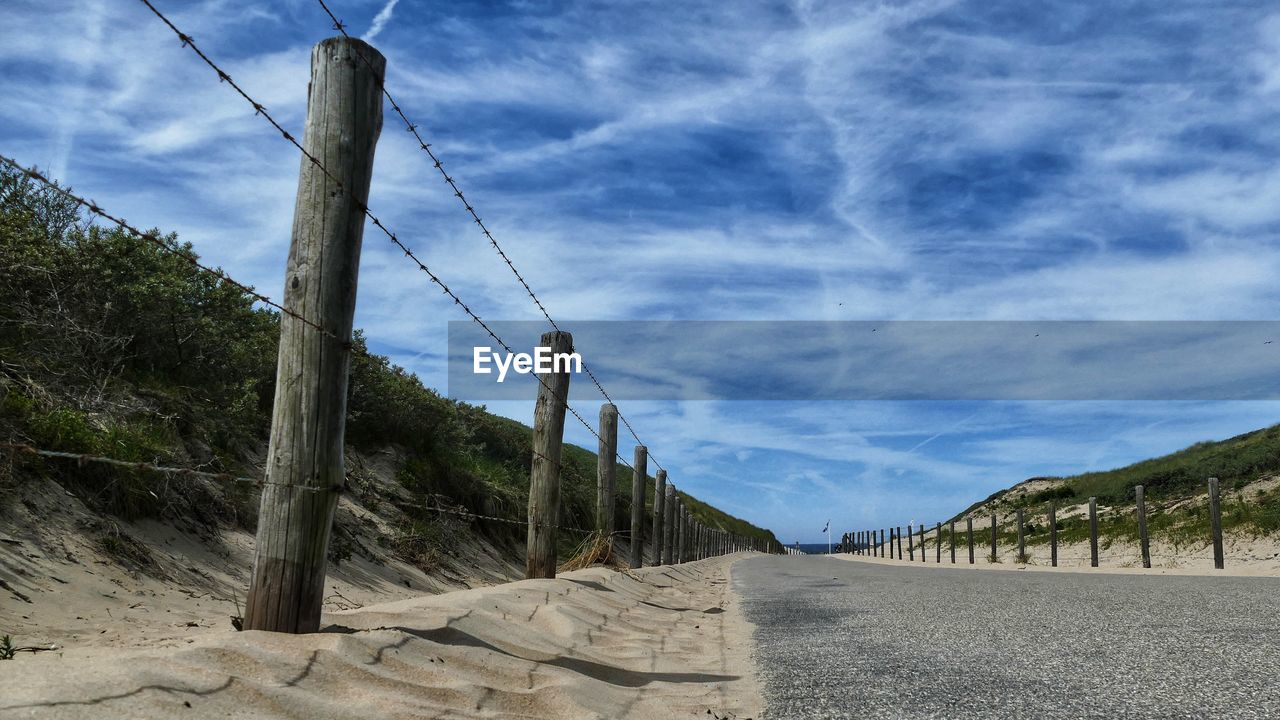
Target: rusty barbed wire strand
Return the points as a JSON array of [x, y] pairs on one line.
[[484, 229], [158, 241], [84, 458], [260, 109]]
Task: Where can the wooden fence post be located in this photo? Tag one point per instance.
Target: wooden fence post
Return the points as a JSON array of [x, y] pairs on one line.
[[1022, 540], [607, 468], [304, 467], [668, 526], [639, 475], [678, 540], [881, 542], [938, 530], [1215, 523], [969, 523], [899, 534], [544, 479], [1093, 532], [953, 542], [994, 555], [660, 509], [1144, 542], [911, 543], [922, 547], [1053, 535]]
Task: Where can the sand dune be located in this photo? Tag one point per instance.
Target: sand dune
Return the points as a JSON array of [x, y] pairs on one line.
[[656, 643]]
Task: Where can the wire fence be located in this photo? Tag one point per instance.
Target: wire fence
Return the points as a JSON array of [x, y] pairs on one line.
[[438, 164], [701, 540], [260, 109]]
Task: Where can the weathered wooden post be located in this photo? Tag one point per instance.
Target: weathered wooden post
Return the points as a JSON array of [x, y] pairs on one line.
[[1144, 543], [683, 517], [953, 542], [900, 555], [544, 479], [911, 543], [668, 526], [606, 468], [922, 547], [881, 542], [660, 509], [994, 556], [1053, 535], [1093, 532], [304, 467], [1022, 540], [938, 530], [1215, 523], [969, 523], [639, 473]]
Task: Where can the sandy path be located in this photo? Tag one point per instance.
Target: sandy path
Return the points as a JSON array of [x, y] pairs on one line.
[[658, 643]]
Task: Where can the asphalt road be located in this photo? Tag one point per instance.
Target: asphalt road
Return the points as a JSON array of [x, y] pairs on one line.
[[837, 639]]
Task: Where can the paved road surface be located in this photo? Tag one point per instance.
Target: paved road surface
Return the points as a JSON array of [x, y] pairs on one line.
[[839, 639]]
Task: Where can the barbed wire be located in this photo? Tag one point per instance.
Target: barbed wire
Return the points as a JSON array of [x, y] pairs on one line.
[[82, 459], [260, 109], [484, 229], [158, 241]]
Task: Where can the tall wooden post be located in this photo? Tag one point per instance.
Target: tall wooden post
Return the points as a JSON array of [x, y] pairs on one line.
[[1144, 542], [668, 526], [969, 524], [899, 533], [544, 480], [1093, 532], [639, 474], [304, 467], [1215, 523], [1053, 535], [660, 508], [881, 542], [922, 547], [938, 531], [607, 468], [911, 543], [1022, 539]]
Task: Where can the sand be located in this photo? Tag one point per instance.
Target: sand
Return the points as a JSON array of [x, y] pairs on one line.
[[655, 643]]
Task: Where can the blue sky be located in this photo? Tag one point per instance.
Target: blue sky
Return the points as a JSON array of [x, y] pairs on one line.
[[791, 161]]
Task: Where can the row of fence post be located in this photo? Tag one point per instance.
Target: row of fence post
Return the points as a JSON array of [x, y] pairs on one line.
[[873, 542], [305, 468]]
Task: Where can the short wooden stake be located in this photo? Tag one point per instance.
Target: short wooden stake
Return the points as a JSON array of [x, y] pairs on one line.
[[305, 470]]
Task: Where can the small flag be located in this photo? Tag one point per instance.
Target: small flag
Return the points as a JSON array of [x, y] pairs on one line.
[[824, 527]]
